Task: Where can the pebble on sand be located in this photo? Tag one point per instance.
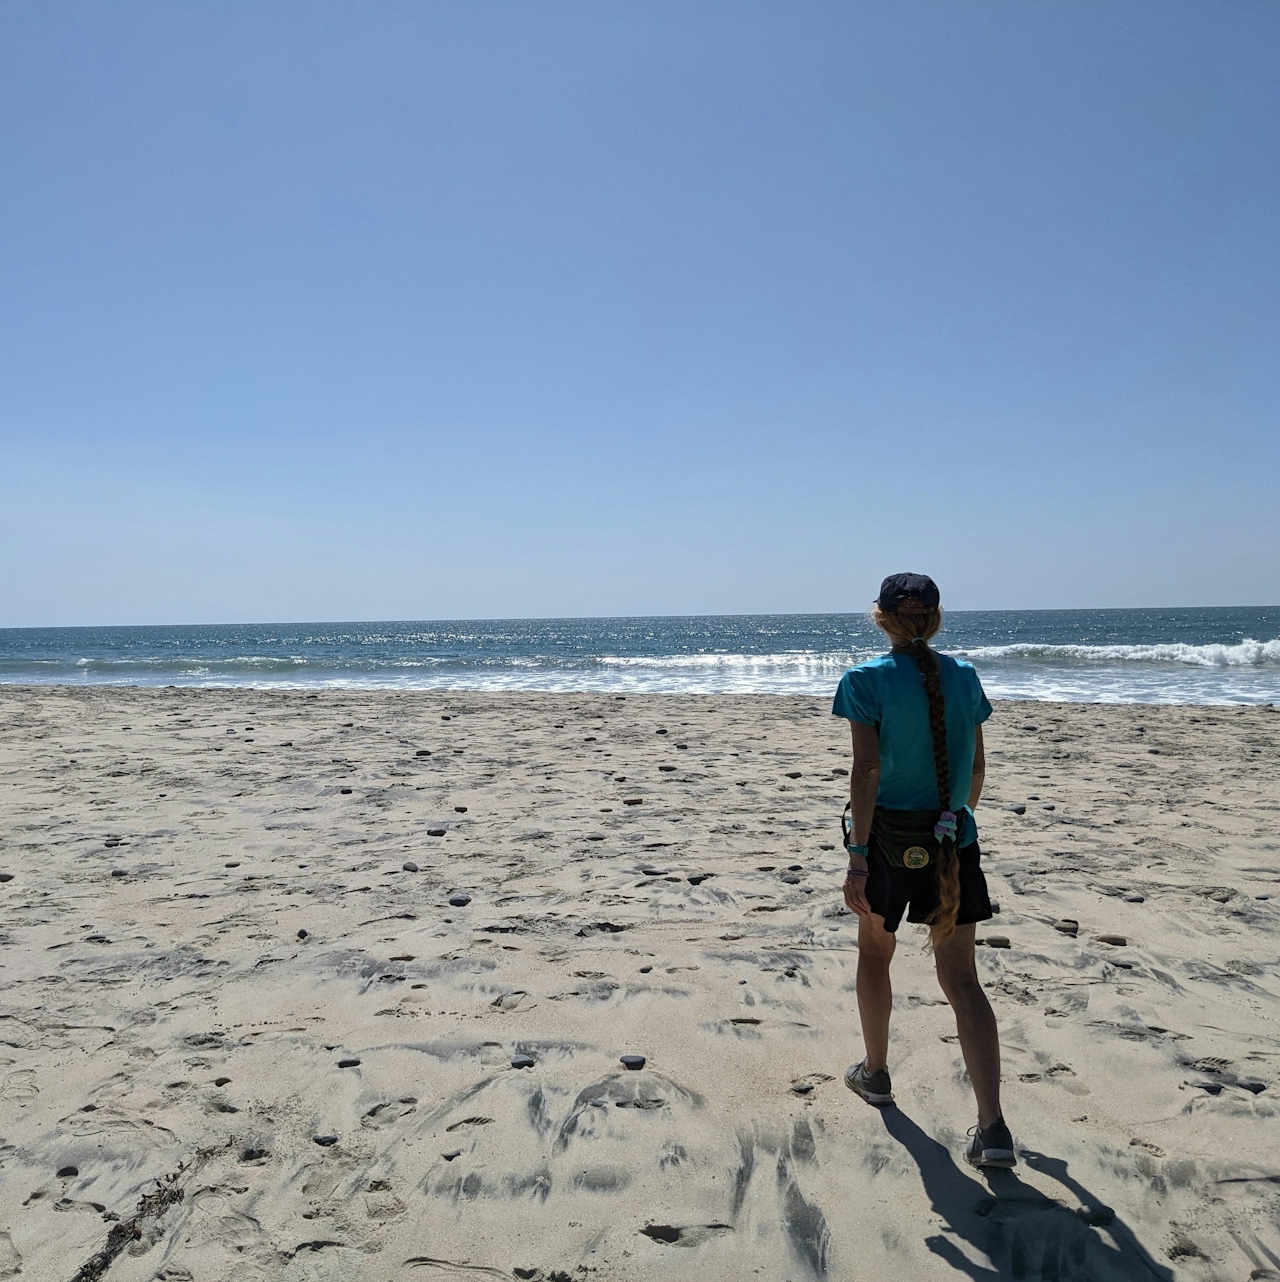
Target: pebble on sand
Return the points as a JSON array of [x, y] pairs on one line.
[[460, 810], [435, 832], [459, 901], [632, 1063], [523, 1061], [1135, 899], [1067, 926], [325, 1141], [68, 1172], [633, 801], [345, 791], [451, 1154], [303, 933], [423, 752], [1018, 810], [119, 872], [348, 1063], [1117, 941], [409, 866], [6, 876], [996, 941]]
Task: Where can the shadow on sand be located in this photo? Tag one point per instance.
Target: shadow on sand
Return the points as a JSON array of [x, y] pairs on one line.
[[1024, 1234]]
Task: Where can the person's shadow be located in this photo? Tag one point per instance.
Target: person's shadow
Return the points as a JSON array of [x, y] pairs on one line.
[[1024, 1234]]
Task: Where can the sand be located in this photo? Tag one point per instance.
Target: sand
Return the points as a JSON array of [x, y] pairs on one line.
[[239, 1040]]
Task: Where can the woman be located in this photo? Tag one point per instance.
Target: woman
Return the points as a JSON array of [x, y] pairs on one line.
[[917, 774]]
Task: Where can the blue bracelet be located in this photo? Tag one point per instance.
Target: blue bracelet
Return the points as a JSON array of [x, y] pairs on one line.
[[863, 851]]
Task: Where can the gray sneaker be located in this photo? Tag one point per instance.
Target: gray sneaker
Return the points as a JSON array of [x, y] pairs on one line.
[[875, 1088], [992, 1147]]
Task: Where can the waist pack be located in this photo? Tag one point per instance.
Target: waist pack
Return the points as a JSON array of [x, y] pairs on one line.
[[905, 838]]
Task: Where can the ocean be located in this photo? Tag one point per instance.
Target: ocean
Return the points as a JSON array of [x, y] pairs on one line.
[[1202, 656]]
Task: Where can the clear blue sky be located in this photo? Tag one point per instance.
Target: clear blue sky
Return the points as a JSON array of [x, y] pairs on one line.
[[393, 309]]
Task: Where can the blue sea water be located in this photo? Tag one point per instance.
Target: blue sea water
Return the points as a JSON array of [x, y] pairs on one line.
[[1109, 656]]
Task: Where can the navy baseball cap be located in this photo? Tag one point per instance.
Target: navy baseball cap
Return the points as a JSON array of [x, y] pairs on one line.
[[898, 588]]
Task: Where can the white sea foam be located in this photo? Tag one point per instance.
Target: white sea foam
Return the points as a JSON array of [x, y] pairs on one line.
[[1244, 654]]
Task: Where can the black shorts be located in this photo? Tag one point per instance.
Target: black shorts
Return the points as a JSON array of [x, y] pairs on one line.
[[892, 891]]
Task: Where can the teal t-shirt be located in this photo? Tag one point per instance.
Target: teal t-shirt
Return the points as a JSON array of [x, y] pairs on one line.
[[888, 693]]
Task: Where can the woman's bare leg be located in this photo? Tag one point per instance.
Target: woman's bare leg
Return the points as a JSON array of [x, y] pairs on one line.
[[975, 1020], [875, 993]]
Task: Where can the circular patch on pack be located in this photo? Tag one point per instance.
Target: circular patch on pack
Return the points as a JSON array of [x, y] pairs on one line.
[[915, 857]]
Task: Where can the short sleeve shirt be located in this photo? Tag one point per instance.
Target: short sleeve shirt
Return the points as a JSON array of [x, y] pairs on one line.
[[888, 693]]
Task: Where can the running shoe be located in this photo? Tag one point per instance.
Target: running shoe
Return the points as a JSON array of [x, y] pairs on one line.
[[992, 1147], [875, 1088]]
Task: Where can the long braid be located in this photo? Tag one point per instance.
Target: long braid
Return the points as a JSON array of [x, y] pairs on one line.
[[942, 921]]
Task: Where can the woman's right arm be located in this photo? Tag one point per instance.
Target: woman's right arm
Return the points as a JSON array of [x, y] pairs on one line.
[[864, 783], [979, 767]]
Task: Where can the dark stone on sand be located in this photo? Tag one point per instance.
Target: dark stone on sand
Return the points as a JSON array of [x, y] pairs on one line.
[[325, 1141], [1049, 807], [659, 732], [235, 863], [1033, 796], [459, 810], [1135, 899], [699, 877], [348, 1063], [633, 801], [423, 752], [1155, 752], [111, 841], [288, 743], [1028, 727], [1018, 810], [345, 791], [802, 1088], [795, 867], [435, 832], [682, 745], [451, 1154], [1116, 941], [523, 1061], [303, 933], [793, 774], [6, 876], [996, 941], [1067, 926], [644, 970], [221, 1081], [825, 845], [119, 872], [632, 1063], [459, 900], [766, 867], [445, 717], [594, 836], [1095, 1214], [68, 1172], [409, 866], [666, 770], [790, 879]]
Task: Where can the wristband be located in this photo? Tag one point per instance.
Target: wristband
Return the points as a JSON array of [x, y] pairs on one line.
[[851, 871], [861, 851]]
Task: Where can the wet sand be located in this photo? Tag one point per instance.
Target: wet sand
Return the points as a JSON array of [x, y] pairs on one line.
[[245, 1033]]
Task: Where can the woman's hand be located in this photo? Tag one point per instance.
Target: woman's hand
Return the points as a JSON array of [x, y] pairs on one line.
[[855, 886]]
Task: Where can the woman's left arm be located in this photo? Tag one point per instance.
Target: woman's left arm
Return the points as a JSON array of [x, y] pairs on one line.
[[979, 767]]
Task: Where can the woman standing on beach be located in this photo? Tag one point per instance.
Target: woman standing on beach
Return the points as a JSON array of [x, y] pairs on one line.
[[917, 773]]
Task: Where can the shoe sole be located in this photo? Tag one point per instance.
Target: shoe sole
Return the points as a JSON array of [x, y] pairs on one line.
[[871, 1097], [1002, 1157]]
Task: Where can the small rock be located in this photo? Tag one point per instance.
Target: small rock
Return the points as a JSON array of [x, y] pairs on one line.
[[1067, 926], [460, 810], [348, 1063], [303, 933], [1116, 941], [346, 791], [682, 745], [633, 801], [523, 1061], [235, 863], [459, 900], [1135, 899], [111, 842], [793, 774], [644, 970], [68, 1172], [408, 866], [633, 1063], [325, 1141], [802, 1088], [666, 770], [6, 876], [825, 845], [451, 1154], [659, 732], [288, 743], [1095, 1214], [435, 832], [790, 879], [119, 872], [1033, 796], [699, 877], [1018, 810], [1206, 1084], [423, 752], [997, 941], [1049, 807]]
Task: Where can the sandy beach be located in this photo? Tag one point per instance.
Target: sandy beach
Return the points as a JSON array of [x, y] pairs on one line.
[[272, 962]]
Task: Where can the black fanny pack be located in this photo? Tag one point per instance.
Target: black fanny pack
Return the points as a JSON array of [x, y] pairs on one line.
[[905, 838]]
